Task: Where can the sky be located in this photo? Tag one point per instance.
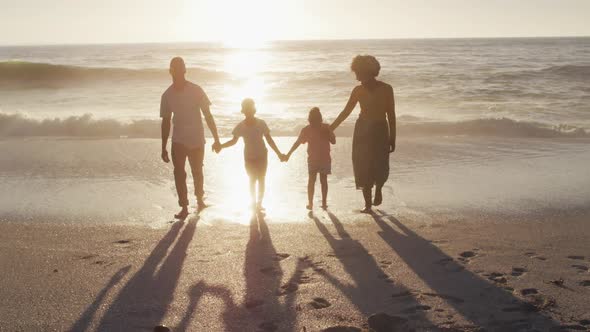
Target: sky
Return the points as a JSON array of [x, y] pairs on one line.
[[243, 21]]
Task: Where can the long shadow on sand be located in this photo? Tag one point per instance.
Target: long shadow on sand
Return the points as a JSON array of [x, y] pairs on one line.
[[371, 290], [479, 301], [86, 318], [144, 300], [262, 308]]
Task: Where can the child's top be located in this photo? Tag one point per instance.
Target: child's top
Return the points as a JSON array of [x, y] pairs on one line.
[[318, 139], [254, 146]]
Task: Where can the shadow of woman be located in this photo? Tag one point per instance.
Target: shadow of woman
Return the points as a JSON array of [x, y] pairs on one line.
[[371, 290], [474, 298], [144, 300]]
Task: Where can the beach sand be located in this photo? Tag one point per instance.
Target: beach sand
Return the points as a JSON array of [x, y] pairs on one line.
[[470, 273]]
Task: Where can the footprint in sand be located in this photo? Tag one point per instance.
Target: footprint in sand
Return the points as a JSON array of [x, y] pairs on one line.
[[466, 256], [385, 264], [123, 243], [518, 271], [288, 288], [576, 257], [529, 291], [319, 303], [532, 254], [497, 277], [585, 283], [580, 268], [88, 256]]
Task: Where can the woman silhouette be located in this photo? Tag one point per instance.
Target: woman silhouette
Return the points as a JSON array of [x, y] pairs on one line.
[[374, 131]]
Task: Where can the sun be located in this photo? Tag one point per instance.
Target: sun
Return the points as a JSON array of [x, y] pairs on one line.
[[242, 24]]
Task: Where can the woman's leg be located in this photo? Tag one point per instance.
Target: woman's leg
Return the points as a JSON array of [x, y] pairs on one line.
[[367, 195], [378, 194], [324, 183], [311, 189]]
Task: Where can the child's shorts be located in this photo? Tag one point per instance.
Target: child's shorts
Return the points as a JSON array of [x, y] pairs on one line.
[[256, 167], [322, 168]]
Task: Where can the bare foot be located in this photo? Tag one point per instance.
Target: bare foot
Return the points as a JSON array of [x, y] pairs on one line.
[[309, 207], [324, 206], [259, 207], [378, 197], [201, 206], [367, 210], [182, 214]]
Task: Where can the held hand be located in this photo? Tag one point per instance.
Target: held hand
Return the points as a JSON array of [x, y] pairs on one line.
[[391, 146], [216, 147], [165, 156], [284, 157]]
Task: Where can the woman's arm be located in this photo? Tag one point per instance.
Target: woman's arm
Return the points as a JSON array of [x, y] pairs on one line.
[[347, 110], [392, 122]]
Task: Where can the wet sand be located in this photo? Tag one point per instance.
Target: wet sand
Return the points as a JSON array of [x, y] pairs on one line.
[[386, 271]]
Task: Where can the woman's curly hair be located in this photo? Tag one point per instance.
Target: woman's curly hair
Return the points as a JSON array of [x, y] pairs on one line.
[[366, 64]]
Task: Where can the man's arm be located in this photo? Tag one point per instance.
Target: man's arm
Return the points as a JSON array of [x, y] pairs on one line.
[[211, 124], [347, 110], [165, 135], [392, 122], [229, 143]]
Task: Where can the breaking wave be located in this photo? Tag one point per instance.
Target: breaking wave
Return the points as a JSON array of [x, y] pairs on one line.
[[12, 125]]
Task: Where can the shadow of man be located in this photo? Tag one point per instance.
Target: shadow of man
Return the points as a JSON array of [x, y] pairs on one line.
[[477, 300], [145, 298], [371, 290]]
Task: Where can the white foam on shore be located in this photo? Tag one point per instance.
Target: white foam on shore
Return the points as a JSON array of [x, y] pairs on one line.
[[123, 180]]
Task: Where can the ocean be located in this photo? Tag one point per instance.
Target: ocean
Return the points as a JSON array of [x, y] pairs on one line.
[[484, 125], [538, 82]]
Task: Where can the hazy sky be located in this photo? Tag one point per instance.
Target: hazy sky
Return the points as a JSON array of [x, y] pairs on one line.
[[100, 21]]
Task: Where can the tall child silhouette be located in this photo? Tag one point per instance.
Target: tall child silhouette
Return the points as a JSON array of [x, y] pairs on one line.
[[253, 130]]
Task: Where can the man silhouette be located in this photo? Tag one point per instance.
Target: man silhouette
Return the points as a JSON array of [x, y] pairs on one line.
[[182, 104]]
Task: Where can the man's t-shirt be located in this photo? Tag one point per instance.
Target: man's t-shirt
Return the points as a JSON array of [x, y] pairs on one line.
[[254, 146], [185, 105], [318, 139]]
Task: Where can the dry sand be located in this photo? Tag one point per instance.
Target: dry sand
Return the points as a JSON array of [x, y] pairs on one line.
[[459, 274]]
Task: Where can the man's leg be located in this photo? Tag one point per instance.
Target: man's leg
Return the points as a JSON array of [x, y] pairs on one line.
[[324, 183], [179, 155], [195, 159], [311, 189]]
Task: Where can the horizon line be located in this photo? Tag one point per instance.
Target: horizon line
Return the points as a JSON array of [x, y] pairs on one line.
[[290, 40]]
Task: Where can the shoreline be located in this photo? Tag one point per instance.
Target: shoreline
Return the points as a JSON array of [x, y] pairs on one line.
[[463, 274]]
